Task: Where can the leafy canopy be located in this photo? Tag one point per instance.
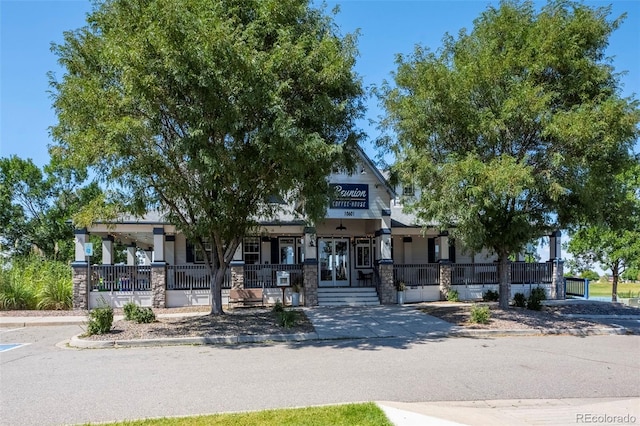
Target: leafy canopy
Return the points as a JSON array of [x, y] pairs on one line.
[[515, 128], [35, 206], [207, 110], [613, 242]]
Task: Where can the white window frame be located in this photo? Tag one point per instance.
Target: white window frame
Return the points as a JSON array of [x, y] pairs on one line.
[[363, 244], [251, 241], [286, 242], [408, 190]]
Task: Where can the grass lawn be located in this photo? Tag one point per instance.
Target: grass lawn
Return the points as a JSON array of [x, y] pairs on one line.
[[348, 414], [598, 289]]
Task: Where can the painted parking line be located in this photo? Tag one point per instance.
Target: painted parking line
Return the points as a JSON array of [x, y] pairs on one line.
[[4, 347]]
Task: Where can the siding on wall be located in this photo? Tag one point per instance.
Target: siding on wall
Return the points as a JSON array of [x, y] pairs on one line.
[[419, 250], [180, 247], [379, 198]]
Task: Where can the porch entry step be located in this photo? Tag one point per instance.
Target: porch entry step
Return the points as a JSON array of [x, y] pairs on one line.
[[348, 296]]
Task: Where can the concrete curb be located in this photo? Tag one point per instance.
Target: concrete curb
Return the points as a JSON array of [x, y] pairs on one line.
[[78, 342], [580, 332], [608, 317], [21, 324]]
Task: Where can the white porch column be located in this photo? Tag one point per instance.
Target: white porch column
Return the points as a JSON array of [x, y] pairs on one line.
[[107, 250], [170, 249], [148, 255], [444, 246], [80, 238], [310, 246], [131, 254], [384, 236], [80, 271], [555, 245], [158, 245], [237, 256], [237, 269], [310, 268]]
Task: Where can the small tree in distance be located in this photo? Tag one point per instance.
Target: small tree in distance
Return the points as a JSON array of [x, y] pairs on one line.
[[514, 129], [207, 110]]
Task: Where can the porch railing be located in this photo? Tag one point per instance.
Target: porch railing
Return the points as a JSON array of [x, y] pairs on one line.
[[578, 287], [487, 273], [417, 274], [120, 278], [474, 273], [192, 277], [265, 276], [531, 273]]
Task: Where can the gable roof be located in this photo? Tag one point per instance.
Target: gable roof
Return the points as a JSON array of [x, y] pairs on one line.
[[376, 172]]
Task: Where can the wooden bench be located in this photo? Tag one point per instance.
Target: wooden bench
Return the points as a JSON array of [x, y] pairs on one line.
[[245, 297]]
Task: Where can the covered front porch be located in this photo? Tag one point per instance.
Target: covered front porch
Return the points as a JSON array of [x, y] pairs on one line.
[[341, 261]]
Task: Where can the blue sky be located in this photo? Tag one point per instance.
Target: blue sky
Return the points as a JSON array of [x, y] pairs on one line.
[[387, 27]]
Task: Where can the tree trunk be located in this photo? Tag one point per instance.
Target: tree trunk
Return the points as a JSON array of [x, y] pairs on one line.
[[504, 275], [615, 272], [217, 278]]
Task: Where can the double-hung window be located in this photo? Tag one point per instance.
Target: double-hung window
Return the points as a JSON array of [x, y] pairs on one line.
[[363, 253], [251, 250]]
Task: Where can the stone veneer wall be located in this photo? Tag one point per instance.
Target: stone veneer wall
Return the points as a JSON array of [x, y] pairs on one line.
[[310, 277], [159, 286], [557, 281], [387, 290], [79, 279], [237, 276], [445, 279]]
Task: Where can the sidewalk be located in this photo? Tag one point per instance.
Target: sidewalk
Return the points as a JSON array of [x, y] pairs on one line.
[[330, 323], [406, 323], [515, 412]]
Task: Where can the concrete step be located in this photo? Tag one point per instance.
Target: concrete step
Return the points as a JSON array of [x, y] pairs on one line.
[[348, 296], [347, 303]]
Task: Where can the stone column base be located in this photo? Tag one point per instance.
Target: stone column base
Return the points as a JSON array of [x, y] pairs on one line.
[[80, 281], [237, 275], [387, 291], [310, 277], [159, 285], [445, 279]]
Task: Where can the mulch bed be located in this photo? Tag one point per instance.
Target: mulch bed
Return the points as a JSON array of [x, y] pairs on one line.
[[233, 323], [550, 317]]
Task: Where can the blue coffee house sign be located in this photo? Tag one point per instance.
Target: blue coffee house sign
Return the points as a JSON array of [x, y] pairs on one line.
[[350, 196]]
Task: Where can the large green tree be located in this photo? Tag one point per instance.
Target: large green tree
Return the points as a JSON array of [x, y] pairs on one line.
[[513, 129], [207, 110], [36, 205], [614, 240]]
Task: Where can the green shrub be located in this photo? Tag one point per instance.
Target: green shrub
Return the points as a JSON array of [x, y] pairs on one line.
[[32, 283], [133, 312], [130, 310], [100, 320], [520, 300], [287, 319], [491, 296], [537, 295], [56, 295], [453, 296], [16, 295], [278, 307], [480, 314], [144, 316]]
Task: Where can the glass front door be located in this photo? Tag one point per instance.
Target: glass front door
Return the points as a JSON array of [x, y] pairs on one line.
[[333, 262]]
